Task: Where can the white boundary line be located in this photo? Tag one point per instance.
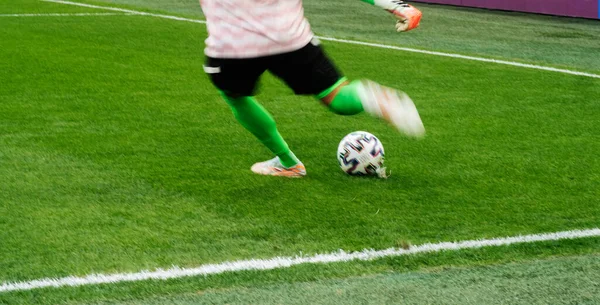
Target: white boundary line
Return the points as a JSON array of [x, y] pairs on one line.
[[481, 59], [286, 262], [67, 14], [354, 42], [109, 8]]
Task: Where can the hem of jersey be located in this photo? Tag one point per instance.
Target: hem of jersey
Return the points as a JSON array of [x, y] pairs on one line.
[[292, 48]]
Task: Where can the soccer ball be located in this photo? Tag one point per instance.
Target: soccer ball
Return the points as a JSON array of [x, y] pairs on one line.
[[361, 153]]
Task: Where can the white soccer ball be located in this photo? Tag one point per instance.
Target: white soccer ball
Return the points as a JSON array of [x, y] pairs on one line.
[[361, 153]]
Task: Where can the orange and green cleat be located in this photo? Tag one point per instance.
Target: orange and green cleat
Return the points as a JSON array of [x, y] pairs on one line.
[[274, 167]]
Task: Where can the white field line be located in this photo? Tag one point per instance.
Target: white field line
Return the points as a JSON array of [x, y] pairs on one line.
[[354, 42], [67, 14], [286, 262], [116, 9], [481, 59]]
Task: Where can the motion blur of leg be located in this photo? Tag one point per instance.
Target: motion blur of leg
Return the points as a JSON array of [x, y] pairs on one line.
[[309, 71], [348, 98]]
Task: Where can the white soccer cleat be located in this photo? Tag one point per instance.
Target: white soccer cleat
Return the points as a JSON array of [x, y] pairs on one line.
[[274, 167], [392, 105]]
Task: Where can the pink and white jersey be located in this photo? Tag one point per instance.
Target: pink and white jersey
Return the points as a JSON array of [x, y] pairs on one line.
[[254, 28]]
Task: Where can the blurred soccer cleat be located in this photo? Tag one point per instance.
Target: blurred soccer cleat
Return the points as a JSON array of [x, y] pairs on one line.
[[392, 105]]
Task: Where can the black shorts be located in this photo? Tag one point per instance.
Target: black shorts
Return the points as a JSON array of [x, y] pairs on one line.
[[307, 71]]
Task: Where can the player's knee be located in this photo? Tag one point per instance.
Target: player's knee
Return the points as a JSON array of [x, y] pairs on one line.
[[232, 98], [344, 100], [329, 95], [329, 99]]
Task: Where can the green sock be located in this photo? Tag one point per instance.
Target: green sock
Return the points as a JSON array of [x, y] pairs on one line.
[[255, 118], [347, 101]]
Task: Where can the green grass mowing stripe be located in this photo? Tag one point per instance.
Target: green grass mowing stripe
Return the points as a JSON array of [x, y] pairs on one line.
[[565, 280], [39, 7], [488, 60], [144, 291], [126, 11], [286, 262], [66, 14]]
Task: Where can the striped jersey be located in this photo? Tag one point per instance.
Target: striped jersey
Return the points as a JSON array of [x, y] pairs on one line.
[[254, 28]]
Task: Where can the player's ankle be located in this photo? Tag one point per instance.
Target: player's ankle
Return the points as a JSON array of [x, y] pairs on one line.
[[288, 160]]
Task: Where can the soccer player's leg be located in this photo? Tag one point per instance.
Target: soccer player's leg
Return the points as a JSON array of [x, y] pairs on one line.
[[310, 71], [236, 79], [394, 106]]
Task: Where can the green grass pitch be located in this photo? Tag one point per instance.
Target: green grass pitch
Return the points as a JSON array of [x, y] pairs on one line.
[[117, 155]]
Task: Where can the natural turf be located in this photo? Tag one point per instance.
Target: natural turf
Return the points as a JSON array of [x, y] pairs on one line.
[[36, 7], [570, 280], [144, 291], [116, 154]]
